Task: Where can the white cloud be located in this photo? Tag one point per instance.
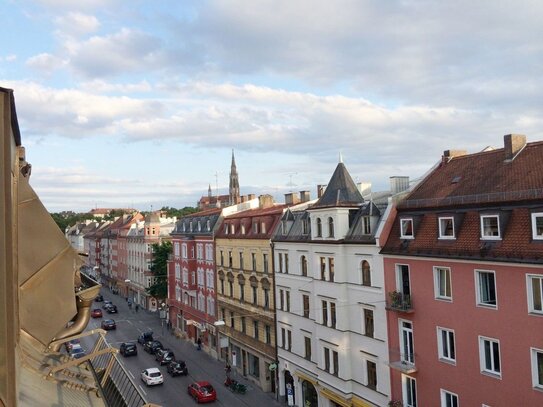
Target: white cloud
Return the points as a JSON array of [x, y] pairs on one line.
[[76, 24], [45, 63]]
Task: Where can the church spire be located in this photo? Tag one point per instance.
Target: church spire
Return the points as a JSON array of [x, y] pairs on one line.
[[234, 183]]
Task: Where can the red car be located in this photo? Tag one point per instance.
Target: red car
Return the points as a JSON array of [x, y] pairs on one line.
[[96, 313], [202, 392]]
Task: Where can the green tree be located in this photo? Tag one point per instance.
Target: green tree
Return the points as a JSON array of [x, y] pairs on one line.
[[114, 213], [159, 268], [69, 218], [187, 210]]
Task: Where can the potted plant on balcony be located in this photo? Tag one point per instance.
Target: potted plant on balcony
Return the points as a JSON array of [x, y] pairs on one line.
[[395, 298], [395, 403]]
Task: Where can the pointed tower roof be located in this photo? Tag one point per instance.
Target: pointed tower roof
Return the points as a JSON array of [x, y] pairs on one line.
[[341, 190]]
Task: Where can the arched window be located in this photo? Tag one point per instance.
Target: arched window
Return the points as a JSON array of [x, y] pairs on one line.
[[319, 227], [330, 227], [366, 273], [303, 265]]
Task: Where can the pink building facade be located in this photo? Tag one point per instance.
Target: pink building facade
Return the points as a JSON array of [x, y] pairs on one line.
[[464, 275]]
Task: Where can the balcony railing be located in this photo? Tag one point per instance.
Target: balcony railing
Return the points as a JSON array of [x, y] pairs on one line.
[[402, 361], [400, 302]]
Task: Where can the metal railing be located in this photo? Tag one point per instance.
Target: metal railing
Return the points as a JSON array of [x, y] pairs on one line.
[[399, 301], [402, 361]]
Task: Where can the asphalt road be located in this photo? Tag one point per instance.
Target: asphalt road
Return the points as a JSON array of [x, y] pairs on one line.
[[174, 390]]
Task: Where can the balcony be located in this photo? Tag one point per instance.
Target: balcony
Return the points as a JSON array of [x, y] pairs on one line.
[[404, 362], [400, 302]]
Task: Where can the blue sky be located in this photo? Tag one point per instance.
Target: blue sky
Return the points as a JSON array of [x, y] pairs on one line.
[[139, 103]]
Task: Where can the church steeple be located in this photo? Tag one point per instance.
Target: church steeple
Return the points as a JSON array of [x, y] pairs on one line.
[[233, 187], [209, 191]]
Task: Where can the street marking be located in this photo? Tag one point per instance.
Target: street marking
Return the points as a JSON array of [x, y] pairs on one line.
[[141, 388], [130, 373]]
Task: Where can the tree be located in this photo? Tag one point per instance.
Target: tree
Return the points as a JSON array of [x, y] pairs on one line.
[[159, 269], [69, 218], [179, 213]]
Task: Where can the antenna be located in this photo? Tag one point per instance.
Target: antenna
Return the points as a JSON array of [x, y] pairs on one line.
[[217, 183], [290, 184]]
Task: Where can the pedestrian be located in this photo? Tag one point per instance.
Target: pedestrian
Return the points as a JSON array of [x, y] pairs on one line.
[[137, 307], [169, 325], [199, 342], [228, 369]]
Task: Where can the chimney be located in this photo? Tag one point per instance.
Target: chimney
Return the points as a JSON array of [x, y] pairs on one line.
[[513, 143], [292, 198], [251, 196], [364, 188], [448, 155], [243, 198], [265, 201], [305, 196], [399, 184], [320, 190]]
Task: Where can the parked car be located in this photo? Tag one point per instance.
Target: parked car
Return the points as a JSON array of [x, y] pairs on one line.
[[106, 304], [96, 313], [77, 352], [202, 392], [128, 349], [99, 298], [152, 346], [145, 337], [177, 368], [69, 345], [108, 324], [164, 356], [152, 376], [112, 309]]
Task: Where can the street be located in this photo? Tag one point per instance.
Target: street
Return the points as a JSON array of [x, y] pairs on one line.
[[201, 366]]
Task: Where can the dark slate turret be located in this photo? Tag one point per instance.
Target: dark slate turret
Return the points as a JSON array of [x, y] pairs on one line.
[[341, 191]]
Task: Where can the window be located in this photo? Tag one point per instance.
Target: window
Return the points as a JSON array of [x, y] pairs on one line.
[[489, 355], [280, 262], [326, 359], [406, 228], [231, 287], [368, 323], [448, 399], [305, 300], [287, 301], [255, 227], [265, 260], [446, 228], [442, 283], [241, 260], [242, 229], [319, 227], [490, 227], [335, 357], [445, 345], [406, 342], [243, 325], [486, 288], [268, 334], [226, 228], [266, 298], [286, 263], [281, 300], [366, 273], [330, 227], [208, 225], [255, 329], [366, 225], [255, 295], [305, 227], [253, 261], [537, 368], [283, 337], [307, 347], [409, 391], [263, 227], [333, 315], [222, 258], [303, 266], [535, 293], [230, 260], [232, 319], [331, 268], [331, 361], [241, 291], [325, 313], [537, 226], [323, 268], [254, 365], [289, 340], [371, 371]]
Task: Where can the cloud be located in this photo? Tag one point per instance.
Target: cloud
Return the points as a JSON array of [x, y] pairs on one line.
[[76, 24], [45, 63]]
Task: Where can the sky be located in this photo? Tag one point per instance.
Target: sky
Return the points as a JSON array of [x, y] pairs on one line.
[[140, 103]]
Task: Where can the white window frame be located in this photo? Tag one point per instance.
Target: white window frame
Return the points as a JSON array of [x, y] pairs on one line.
[[444, 394], [450, 348], [442, 234], [530, 293], [482, 358], [402, 235], [478, 289], [412, 382], [486, 237], [437, 286], [535, 376], [536, 236]]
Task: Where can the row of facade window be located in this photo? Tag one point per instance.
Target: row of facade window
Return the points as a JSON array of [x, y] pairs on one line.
[[490, 227], [366, 227], [409, 393], [198, 226], [241, 263], [258, 227], [254, 292], [241, 326]]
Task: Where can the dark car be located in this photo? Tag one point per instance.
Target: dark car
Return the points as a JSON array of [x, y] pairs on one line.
[[73, 343], [77, 352], [106, 304], [202, 392], [165, 356], [128, 349], [152, 346], [145, 337], [177, 368], [112, 309], [99, 298], [108, 324], [96, 313]]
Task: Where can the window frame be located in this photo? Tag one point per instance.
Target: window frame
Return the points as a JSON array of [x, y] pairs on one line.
[[483, 361], [442, 346], [534, 217], [442, 235], [486, 237], [402, 235], [478, 287], [367, 312], [531, 295], [537, 378], [444, 393], [413, 385], [437, 285]]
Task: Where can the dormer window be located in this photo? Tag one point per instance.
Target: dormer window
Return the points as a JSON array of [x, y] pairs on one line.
[[305, 227], [226, 228], [199, 226], [330, 227], [319, 227], [255, 227], [366, 225], [446, 228], [190, 226], [490, 227], [184, 227], [537, 226], [208, 225], [232, 229], [406, 228], [242, 229], [283, 227]]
